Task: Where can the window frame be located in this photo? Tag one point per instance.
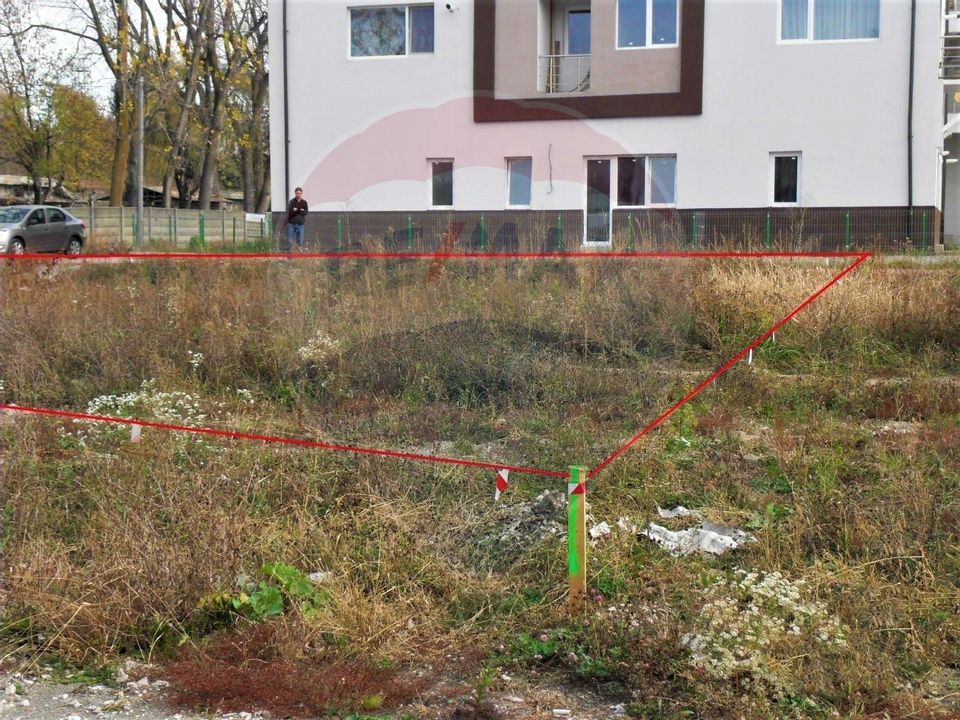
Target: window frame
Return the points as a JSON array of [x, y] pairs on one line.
[[431, 162], [772, 189], [809, 39], [509, 160], [407, 30], [647, 181], [648, 44]]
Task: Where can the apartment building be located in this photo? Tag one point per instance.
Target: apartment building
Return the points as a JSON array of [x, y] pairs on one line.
[[608, 121]]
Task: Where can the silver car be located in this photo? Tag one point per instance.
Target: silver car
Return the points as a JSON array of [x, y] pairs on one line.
[[40, 229]]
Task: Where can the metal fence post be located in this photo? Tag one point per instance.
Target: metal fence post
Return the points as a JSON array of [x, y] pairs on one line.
[[847, 235], [202, 229], [149, 224], [768, 235], [176, 228], [630, 234], [121, 223], [339, 233], [409, 233]]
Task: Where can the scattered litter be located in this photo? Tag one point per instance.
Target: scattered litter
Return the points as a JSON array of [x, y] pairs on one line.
[[514, 699], [10, 689], [561, 712], [627, 525], [319, 578], [598, 531], [678, 511], [708, 537]]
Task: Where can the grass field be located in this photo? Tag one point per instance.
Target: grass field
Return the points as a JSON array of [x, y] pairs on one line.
[[838, 448]]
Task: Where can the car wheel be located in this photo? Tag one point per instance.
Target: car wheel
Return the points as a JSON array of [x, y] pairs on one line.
[[73, 247], [17, 247]]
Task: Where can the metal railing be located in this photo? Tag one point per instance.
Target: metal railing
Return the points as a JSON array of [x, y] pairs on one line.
[[950, 56], [563, 73]]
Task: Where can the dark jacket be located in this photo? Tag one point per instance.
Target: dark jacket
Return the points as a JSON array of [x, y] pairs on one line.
[[297, 211]]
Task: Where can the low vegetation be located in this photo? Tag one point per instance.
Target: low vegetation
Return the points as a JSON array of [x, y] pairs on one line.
[[261, 574]]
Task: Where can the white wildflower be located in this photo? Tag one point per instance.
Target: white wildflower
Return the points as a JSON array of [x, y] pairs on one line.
[[319, 347]]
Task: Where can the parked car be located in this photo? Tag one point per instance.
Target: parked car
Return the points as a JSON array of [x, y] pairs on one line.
[[40, 229]]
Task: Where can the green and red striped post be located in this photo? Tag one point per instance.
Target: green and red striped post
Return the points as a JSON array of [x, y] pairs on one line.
[[577, 537]]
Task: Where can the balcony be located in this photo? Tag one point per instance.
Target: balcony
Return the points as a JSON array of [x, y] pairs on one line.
[[563, 74], [950, 57]]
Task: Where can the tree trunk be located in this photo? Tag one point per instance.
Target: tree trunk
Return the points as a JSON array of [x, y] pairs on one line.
[[124, 114]]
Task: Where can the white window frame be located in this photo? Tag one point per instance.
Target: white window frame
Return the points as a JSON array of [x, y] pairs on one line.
[[407, 52], [647, 181], [809, 39], [453, 189], [771, 190], [509, 160], [648, 39]]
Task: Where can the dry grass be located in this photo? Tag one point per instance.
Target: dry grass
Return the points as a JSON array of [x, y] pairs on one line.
[[112, 547]]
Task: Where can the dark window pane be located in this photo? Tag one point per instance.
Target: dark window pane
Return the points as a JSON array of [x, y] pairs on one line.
[[631, 23], [421, 29], [443, 183], [793, 20], [785, 178], [578, 40], [377, 31], [630, 181], [520, 172], [664, 22]]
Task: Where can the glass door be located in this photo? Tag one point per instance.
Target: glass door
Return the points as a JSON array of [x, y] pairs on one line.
[[597, 228]]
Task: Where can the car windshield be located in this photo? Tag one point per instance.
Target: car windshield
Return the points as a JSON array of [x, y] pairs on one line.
[[12, 215]]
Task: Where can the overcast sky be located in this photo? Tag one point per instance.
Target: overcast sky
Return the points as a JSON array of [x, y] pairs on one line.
[[96, 79]]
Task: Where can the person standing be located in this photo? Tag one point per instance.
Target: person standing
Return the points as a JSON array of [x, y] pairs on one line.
[[296, 215]]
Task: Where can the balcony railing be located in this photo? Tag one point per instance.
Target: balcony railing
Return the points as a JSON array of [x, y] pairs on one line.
[[950, 57], [564, 73]]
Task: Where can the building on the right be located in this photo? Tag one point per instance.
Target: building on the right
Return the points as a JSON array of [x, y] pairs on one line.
[[611, 121]]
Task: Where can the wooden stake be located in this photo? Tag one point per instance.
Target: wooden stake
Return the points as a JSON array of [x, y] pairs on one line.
[[577, 537]]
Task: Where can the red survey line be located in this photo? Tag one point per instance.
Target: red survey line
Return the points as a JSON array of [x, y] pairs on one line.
[[861, 258], [235, 435], [426, 255]]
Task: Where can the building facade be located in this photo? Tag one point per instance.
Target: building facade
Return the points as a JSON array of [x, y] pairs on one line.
[[606, 122]]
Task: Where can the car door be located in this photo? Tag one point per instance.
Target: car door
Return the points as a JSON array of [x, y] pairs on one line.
[[35, 231], [56, 229]]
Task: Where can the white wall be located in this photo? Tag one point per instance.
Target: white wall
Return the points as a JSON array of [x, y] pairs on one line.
[[362, 129]]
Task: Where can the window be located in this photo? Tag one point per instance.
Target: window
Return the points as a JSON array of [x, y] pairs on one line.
[[519, 176], [642, 23], [391, 31], [441, 183], [578, 32], [36, 218], [829, 19], [56, 216], [646, 180], [786, 178]]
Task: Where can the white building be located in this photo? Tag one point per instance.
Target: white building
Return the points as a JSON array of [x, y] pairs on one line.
[[820, 121]]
